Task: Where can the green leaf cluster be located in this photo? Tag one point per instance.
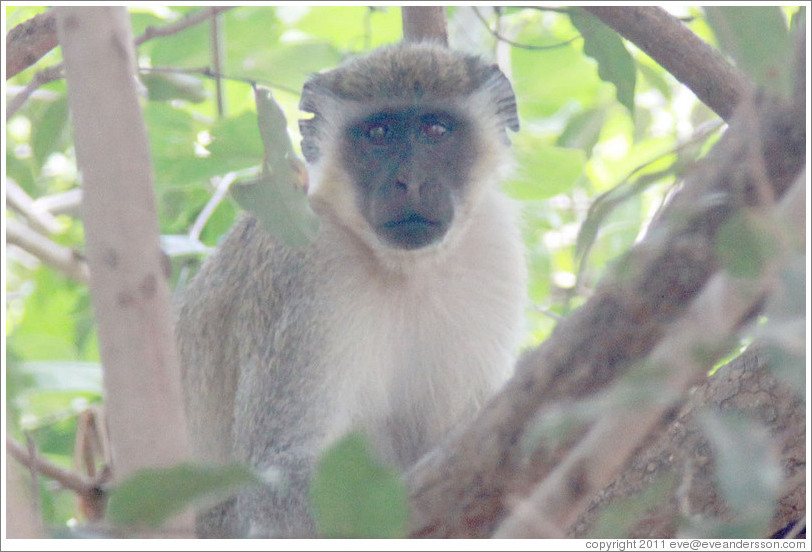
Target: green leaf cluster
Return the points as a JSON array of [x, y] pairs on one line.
[[606, 133], [354, 495]]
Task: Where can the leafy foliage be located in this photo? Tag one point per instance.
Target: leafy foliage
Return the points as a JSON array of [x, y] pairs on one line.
[[765, 59], [615, 64], [355, 496], [599, 120], [150, 497], [277, 197]]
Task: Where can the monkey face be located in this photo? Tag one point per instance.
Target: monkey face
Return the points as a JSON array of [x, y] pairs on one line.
[[402, 144], [409, 167]]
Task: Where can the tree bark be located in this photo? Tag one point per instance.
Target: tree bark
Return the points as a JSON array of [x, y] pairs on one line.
[[424, 23], [694, 63], [128, 284], [29, 41], [460, 489], [745, 385]]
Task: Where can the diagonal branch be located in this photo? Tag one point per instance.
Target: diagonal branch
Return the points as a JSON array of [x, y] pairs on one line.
[[64, 259], [716, 316], [67, 478], [693, 62], [459, 490], [55, 72], [29, 41]]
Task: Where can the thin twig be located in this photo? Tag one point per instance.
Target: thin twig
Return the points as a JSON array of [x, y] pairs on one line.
[[41, 78], [498, 36], [217, 53], [55, 73], [188, 21], [64, 259], [32, 452], [208, 72], [39, 218], [67, 478], [214, 201]]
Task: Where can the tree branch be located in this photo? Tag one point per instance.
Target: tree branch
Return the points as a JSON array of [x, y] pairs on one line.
[[39, 218], [725, 304], [41, 78], [62, 203], [130, 295], [746, 384], [459, 490], [64, 259], [423, 23], [67, 478], [29, 41], [55, 73], [694, 63], [188, 21]]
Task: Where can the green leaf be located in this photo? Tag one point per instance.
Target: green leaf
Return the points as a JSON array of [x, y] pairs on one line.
[[237, 139], [606, 204], [277, 198], [576, 80], [618, 520], [615, 63], [49, 130], [355, 496], [583, 130], [747, 468], [162, 87], [745, 243], [757, 39], [543, 170], [151, 496]]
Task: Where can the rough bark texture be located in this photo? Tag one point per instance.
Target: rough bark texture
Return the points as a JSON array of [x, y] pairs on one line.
[[29, 41], [745, 385], [460, 489]]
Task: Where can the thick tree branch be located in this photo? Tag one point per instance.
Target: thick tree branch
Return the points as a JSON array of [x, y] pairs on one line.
[[131, 300], [745, 385], [421, 23], [694, 63], [459, 490], [715, 317], [29, 41]]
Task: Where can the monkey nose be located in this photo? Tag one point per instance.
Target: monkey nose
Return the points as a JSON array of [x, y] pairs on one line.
[[412, 188]]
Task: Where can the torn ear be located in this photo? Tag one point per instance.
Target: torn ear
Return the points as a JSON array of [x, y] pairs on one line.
[[309, 128], [502, 92]]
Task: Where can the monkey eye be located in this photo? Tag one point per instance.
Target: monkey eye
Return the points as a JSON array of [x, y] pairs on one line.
[[435, 131], [377, 133]]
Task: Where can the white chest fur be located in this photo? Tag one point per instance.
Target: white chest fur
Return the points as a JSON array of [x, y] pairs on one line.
[[424, 348]]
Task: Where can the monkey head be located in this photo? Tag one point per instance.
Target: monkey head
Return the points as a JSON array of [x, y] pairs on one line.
[[403, 141]]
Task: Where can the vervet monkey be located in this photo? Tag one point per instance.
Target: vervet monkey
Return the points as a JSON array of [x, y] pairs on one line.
[[399, 321]]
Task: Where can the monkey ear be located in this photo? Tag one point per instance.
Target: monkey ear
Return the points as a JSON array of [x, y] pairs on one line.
[[309, 128], [499, 87]]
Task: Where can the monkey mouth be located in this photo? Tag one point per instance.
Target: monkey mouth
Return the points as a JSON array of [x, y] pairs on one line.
[[412, 231]]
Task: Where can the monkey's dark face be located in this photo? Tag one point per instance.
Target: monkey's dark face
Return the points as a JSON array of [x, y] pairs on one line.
[[409, 166]]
